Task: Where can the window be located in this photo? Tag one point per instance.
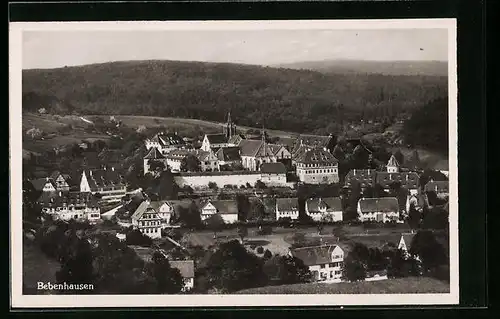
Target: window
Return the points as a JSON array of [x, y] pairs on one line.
[[331, 273], [322, 266], [338, 272]]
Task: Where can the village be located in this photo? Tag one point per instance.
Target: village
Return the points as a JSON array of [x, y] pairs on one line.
[[332, 202]]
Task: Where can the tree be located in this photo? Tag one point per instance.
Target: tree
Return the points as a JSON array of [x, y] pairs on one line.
[[257, 211], [435, 218], [136, 237], [190, 163], [156, 166], [414, 217], [167, 187], [402, 265], [231, 267], [429, 250], [399, 157], [353, 270], [242, 232], [243, 206], [168, 279], [283, 270], [212, 185], [267, 254], [215, 223], [260, 185]]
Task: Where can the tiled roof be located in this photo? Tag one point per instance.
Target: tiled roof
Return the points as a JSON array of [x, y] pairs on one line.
[[144, 207], [236, 139], [316, 255], [154, 153], [186, 267], [157, 204], [103, 178], [365, 177], [393, 161], [317, 156], [202, 155], [217, 138], [225, 206], [437, 186], [287, 204], [39, 183], [409, 180], [228, 154], [383, 204], [180, 153], [168, 139], [273, 168], [250, 147], [408, 238], [330, 203]]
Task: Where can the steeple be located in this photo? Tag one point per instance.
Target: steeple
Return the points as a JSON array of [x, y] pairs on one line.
[[392, 165], [230, 129]]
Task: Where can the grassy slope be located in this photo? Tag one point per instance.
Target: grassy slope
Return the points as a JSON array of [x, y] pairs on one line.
[[37, 267], [389, 286]]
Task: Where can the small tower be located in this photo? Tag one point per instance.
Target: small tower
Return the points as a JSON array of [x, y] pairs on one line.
[[392, 165], [230, 129]]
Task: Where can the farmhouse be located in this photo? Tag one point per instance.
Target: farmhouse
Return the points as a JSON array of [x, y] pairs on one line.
[[147, 220], [107, 182], [46, 185], [186, 268], [235, 140], [165, 142], [317, 166], [325, 262], [61, 181], [442, 166], [154, 155], [287, 208], [273, 174], [70, 206], [175, 157], [165, 211], [329, 208], [383, 209], [227, 209], [392, 165]]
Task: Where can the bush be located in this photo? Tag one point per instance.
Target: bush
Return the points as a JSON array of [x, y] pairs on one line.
[[267, 254], [265, 230], [260, 250], [252, 246], [135, 237], [212, 185]]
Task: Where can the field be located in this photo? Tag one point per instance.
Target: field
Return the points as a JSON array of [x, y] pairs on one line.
[[37, 268], [390, 286]]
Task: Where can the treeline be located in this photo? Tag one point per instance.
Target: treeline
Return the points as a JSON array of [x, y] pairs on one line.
[[428, 126], [294, 100]]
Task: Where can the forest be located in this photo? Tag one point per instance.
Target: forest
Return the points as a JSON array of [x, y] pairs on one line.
[[301, 101]]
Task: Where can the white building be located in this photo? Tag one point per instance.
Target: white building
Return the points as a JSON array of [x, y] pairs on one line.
[[147, 220], [165, 211], [214, 141], [383, 209], [165, 142], [70, 206], [61, 181], [256, 152], [108, 183], [392, 165], [287, 208], [227, 209], [329, 208], [325, 262], [317, 166], [273, 174], [186, 268], [154, 155], [45, 185]]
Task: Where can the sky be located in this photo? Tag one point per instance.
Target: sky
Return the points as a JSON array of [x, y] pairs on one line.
[[53, 49]]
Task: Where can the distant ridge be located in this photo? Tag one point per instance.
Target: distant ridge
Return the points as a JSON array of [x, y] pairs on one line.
[[422, 68]]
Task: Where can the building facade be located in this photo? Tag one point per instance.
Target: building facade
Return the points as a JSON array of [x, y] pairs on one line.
[[71, 206], [324, 262], [165, 142], [321, 209], [385, 209], [108, 183], [317, 166], [287, 208], [154, 155], [227, 209], [273, 174], [147, 220]]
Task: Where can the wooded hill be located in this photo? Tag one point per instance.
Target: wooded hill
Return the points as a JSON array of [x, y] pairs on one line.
[[293, 100]]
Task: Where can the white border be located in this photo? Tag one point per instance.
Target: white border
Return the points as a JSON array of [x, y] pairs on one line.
[[58, 301]]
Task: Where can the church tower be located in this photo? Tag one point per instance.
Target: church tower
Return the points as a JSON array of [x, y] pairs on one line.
[[230, 128]]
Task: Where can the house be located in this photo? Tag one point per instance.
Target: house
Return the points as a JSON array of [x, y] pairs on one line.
[[317, 166], [320, 208], [227, 209], [70, 206], [165, 211], [165, 142], [405, 242], [147, 220], [107, 182], [392, 165], [228, 155], [324, 262], [61, 181], [175, 157], [154, 155], [209, 162], [45, 185], [186, 268], [273, 174], [383, 209], [418, 201], [365, 177], [287, 208], [256, 152], [441, 188], [214, 140], [408, 180]]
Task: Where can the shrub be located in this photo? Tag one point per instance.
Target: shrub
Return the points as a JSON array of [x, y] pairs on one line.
[[252, 246], [267, 254], [212, 185], [260, 250], [248, 185]]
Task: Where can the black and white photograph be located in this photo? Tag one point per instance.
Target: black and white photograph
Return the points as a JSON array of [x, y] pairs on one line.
[[233, 163]]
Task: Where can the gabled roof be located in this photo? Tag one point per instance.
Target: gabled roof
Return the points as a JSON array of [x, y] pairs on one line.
[[287, 204], [408, 238], [104, 178], [224, 206], [408, 180], [154, 153], [365, 177], [157, 204], [228, 154], [39, 183], [317, 156], [180, 153], [329, 203], [203, 155], [316, 255], [216, 138], [250, 147], [383, 204], [49, 200], [393, 161], [144, 207], [273, 168], [186, 267], [439, 186], [236, 139], [167, 139]]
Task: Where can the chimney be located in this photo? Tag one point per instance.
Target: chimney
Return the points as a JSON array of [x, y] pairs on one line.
[[112, 168], [354, 172]]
